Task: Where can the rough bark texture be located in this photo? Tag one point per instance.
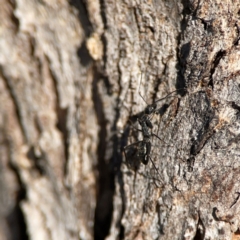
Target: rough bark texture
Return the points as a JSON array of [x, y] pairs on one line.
[[74, 79]]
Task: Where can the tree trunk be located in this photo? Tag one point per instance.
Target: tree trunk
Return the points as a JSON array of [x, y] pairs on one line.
[[76, 82]]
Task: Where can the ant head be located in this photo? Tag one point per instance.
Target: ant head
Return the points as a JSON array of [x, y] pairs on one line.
[[151, 108]]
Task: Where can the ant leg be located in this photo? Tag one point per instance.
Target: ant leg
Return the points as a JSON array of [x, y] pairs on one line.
[[155, 135], [169, 94], [131, 154], [134, 154], [126, 147], [156, 169], [136, 128], [132, 144]]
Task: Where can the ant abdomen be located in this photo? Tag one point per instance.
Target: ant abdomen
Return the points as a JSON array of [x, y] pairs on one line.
[[149, 123]]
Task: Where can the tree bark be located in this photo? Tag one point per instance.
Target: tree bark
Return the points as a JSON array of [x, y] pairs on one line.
[[75, 78]]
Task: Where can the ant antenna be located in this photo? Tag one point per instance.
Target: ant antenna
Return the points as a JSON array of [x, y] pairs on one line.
[[169, 95], [139, 90]]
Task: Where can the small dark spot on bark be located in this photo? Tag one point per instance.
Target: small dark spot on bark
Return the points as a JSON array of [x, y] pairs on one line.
[[37, 161], [221, 231], [83, 55], [235, 106]]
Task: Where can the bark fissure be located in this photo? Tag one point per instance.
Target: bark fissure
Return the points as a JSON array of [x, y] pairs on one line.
[[16, 101], [16, 221], [105, 179]]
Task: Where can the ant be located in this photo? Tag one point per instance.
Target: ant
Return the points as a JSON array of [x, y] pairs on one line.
[[139, 152]]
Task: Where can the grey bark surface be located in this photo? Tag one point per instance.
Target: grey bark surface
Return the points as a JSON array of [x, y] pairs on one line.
[[75, 77]]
